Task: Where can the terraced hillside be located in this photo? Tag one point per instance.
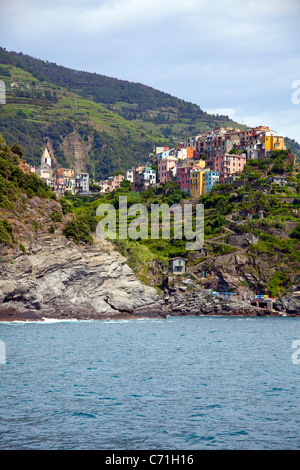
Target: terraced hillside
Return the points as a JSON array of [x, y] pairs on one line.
[[95, 123]]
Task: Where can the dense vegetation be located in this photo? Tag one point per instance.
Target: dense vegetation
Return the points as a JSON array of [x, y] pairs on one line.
[[250, 206], [268, 211], [116, 122], [102, 89], [14, 182], [293, 146], [119, 128]]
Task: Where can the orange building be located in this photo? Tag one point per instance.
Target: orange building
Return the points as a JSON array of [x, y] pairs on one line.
[[190, 152]]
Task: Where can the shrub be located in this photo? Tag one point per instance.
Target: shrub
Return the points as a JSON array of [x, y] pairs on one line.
[[296, 232], [35, 225], [6, 233], [279, 281], [56, 216], [79, 228], [176, 197], [66, 206], [224, 249], [243, 228], [13, 180], [22, 248]]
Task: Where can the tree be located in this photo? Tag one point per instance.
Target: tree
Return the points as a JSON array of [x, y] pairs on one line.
[[125, 184], [296, 232], [17, 149]]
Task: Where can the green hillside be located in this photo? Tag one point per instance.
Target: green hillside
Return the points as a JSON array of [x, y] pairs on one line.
[[251, 231], [293, 146], [92, 122]]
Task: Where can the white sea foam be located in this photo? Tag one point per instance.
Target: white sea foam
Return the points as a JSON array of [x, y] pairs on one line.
[[43, 321], [59, 320]]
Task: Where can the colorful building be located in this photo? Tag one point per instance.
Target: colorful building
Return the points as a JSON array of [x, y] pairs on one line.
[[66, 172], [190, 152], [82, 183], [184, 153], [104, 186], [115, 181], [211, 178], [166, 168], [197, 182], [128, 175], [158, 152], [271, 141], [227, 164], [60, 186], [144, 179], [190, 163], [183, 178]]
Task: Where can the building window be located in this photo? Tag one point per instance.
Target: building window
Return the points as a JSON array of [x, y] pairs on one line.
[[178, 269]]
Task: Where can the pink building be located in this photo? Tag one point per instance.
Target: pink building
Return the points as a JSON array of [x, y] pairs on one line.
[[60, 186], [114, 182], [183, 177], [166, 168], [227, 164]]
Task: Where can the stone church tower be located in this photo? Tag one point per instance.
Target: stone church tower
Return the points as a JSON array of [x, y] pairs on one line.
[[46, 158]]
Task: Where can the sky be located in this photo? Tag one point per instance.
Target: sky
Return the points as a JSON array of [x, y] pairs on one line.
[[233, 57]]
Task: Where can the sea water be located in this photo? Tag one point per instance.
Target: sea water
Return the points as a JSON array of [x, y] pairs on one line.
[[178, 383]]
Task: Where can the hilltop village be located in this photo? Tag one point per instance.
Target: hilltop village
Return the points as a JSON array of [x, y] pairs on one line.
[[199, 163], [249, 184], [196, 165]]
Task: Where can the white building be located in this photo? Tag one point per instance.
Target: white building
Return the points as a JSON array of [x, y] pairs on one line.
[[82, 183], [104, 186], [128, 175]]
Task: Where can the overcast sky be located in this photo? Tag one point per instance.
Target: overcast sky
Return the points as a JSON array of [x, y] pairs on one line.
[[232, 57]]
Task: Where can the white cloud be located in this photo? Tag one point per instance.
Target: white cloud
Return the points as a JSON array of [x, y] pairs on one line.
[[284, 122], [242, 56]]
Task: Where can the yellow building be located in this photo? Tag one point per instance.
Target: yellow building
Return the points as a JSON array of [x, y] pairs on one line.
[[191, 163], [70, 184], [272, 141], [66, 172], [197, 181], [200, 163]]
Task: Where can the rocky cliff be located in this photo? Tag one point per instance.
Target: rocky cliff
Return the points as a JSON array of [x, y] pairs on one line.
[[45, 275], [58, 279]]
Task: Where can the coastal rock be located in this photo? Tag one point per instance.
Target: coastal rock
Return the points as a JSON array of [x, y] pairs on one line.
[[58, 279], [290, 303], [202, 302]]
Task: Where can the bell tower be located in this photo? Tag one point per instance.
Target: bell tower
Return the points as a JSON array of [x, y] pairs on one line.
[[46, 158]]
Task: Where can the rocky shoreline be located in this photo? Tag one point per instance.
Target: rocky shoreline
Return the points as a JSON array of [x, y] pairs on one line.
[[57, 279]]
